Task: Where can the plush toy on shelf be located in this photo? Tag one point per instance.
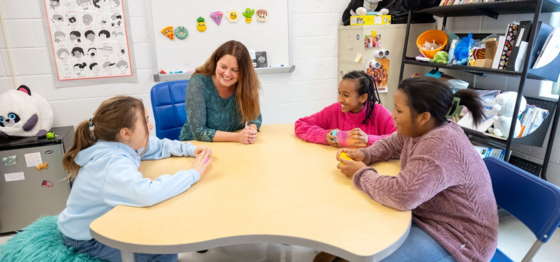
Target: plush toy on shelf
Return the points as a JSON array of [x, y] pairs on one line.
[[23, 113], [504, 104]]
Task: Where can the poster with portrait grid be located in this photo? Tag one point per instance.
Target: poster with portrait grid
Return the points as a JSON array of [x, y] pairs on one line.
[[89, 39]]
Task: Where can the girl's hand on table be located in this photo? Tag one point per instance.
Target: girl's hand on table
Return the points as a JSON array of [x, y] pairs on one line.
[[355, 154]]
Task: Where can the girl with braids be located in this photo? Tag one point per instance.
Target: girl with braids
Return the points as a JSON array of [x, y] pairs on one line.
[[103, 163], [443, 180], [358, 111]]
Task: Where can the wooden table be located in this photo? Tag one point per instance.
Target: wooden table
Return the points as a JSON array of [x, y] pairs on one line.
[[278, 190]]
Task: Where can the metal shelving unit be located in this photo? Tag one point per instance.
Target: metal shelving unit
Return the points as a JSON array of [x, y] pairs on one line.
[[493, 10]]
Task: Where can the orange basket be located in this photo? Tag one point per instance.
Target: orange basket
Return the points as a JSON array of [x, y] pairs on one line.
[[429, 36]]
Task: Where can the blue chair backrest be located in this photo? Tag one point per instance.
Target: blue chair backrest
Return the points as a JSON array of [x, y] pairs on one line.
[[533, 201], [168, 103]]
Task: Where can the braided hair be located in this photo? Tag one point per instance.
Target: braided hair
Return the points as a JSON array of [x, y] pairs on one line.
[[365, 85]]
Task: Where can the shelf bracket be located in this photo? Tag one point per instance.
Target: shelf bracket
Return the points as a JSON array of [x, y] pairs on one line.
[[477, 73], [486, 13]]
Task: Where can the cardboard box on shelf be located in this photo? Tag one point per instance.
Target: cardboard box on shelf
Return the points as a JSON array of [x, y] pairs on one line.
[[490, 51]]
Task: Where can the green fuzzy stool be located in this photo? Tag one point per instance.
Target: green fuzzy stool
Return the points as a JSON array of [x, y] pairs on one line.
[[41, 241]]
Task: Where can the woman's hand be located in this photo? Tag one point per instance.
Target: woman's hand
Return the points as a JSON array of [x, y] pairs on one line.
[[355, 154], [202, 162], [330, 140], [202, 149], [359, 137], [349, 167], [247, 136]]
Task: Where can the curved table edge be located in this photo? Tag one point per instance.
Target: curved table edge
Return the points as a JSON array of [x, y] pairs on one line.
[[251, 239]]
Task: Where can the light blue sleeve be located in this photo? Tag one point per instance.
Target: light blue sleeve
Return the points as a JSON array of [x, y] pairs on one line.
[[163, 148], [124, 185]]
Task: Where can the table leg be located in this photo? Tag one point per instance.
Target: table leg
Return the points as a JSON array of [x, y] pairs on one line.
[[127, 256]]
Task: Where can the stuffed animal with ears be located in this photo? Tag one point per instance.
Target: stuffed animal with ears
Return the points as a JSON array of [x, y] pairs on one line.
[[23, 113], [504, 104]]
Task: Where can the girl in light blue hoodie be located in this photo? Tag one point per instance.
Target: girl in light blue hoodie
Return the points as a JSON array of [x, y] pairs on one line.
[[103, 163]]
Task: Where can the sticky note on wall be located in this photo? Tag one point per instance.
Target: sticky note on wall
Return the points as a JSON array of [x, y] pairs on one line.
[[358, 57]]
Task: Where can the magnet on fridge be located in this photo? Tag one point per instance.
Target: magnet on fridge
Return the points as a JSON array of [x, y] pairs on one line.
[[248, 14], [358, 37], [47, 184], [9, 160], [217, 17], [181, 32], [232, 16], [261, 15], [373, 64], [43, 166], [382, 53], [200, 24], [168, 31]]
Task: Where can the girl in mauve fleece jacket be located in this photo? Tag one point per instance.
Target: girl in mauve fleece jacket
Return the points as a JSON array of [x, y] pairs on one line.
[[358, 111], [443, 180]]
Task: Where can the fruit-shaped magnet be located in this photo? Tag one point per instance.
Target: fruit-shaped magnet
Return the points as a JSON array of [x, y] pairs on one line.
[[201, 25], [181, 32], [232, 16], [248, 14], [261, 15], [217, 16], [168, 31]]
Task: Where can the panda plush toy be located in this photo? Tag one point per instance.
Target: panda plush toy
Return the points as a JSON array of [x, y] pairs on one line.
[[23, 113]]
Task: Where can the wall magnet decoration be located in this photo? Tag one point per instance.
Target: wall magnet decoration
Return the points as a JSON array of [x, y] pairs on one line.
[[200, 25], [248, 14], [217, 16], [232, 16], [168, 31], [181, 32], [261, 15], [43, 166]]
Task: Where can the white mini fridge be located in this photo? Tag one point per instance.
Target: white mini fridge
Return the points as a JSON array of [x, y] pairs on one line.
[[27, 193]]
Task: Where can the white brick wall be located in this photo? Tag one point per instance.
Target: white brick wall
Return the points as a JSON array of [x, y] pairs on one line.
[[285, 97]]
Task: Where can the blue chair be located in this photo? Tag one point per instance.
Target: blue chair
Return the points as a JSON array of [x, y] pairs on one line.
[[533, 201], [168, 103]]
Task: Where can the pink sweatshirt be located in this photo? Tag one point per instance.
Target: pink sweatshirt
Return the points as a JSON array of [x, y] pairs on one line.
[[444, 182], [314, 128]]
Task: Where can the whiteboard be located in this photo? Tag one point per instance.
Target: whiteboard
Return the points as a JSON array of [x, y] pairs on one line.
[[272, 36]]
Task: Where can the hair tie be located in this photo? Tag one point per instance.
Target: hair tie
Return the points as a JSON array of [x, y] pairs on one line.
[[91, 133], [455, 108]]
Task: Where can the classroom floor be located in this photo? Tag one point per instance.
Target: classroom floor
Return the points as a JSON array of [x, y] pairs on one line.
[[514, 240]]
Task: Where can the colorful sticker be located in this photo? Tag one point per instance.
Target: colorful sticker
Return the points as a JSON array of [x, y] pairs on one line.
[[248, 14], [181, 32], [47, 184], [261, 15], [168, 31], [372, 41], [201, 24], [379, 70], [9, 160], [217, 17], [33, 159], [232, 16], [43, 166], [14, 177]]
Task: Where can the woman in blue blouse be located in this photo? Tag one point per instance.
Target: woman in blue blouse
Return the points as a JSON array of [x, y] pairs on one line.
[[223, 97]]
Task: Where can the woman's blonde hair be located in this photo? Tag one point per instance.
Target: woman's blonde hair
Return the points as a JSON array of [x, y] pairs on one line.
[[248, 86], [108, 120]]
